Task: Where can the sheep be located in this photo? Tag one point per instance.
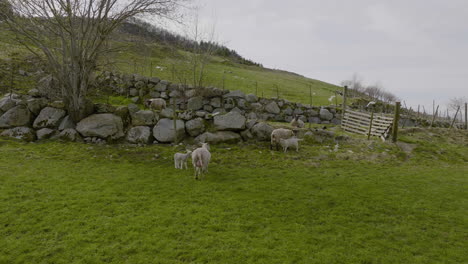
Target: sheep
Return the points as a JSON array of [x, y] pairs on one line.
[[180, 159], [200, 159], [290, 142], [278, 134], [156, 103], [296, 122]]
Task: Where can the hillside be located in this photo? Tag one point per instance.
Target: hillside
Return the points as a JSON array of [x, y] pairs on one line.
[[141, 55]]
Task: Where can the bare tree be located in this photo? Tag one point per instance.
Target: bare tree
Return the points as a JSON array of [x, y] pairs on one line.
[[355, 84], [457, 103], [71, 37]]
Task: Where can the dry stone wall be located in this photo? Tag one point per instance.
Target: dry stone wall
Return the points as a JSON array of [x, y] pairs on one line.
[[204, 114]]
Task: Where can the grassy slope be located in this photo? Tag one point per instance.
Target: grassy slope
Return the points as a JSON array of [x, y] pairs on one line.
[[238, 77], [76, 203], [137, 57]]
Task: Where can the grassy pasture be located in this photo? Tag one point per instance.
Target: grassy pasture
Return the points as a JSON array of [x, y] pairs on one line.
[[137, 57], [366, 203]]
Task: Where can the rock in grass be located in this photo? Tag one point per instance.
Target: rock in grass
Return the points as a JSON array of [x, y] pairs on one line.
[[45, 133], [69, 134], [23, 133]]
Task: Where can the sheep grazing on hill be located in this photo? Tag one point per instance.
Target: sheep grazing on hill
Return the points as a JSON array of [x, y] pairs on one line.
[[200, 159], [156, 103], [290, 142], [296, 122], [278, 134], [180, 159]]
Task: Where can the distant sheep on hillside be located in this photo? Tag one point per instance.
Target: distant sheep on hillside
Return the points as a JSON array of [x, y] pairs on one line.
[[296, 122], [156, 103]]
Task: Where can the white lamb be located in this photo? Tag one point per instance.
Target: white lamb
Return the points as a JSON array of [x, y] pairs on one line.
[[180, 160], [156, 103], [200, 159], [290, 142], [278, 134], [296, 122]]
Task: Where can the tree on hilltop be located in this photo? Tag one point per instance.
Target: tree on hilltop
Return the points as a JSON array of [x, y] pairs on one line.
[[71, 36]]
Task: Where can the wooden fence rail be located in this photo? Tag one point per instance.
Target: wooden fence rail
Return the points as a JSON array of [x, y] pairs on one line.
[[363, 123]]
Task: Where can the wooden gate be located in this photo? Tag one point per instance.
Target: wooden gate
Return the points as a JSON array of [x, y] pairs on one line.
[[369, 124]]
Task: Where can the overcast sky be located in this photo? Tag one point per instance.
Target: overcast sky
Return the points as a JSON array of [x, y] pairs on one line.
[[417, 49]]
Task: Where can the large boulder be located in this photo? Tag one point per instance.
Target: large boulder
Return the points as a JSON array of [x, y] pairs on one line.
[[6, 103], [69, 134], [195, 103], [219, 137], [251, 98], [167, 113], [144, 118], [195, 127], [139, 135], [18, 116], [325, 114], [215, 102], [49, 117], [45, 133], [235, 94], [272, 108], [67, 122], [35, 105], [230, 121], [164, 130], [262, 131], [23, 133], [102, 126]]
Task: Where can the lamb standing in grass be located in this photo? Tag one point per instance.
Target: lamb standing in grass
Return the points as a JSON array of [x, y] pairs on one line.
[[278, 134], [290, 142], [180, 160], [200, 159], [296, 122]]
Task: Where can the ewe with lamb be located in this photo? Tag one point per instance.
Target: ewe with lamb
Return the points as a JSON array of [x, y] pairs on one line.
[[278, 134]]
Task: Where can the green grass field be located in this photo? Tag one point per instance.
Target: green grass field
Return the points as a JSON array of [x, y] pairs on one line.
[[366, 203]]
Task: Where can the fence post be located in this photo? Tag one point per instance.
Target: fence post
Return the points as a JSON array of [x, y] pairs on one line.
[[310, 94], [345, 96], [174, 116], [434, 116], [396, 119], [256, 88], [151, 69], [466, 116], [455, 117], [370, 124]]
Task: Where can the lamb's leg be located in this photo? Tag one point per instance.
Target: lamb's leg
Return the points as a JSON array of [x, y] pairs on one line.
[[175, 163], [297, 148]]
